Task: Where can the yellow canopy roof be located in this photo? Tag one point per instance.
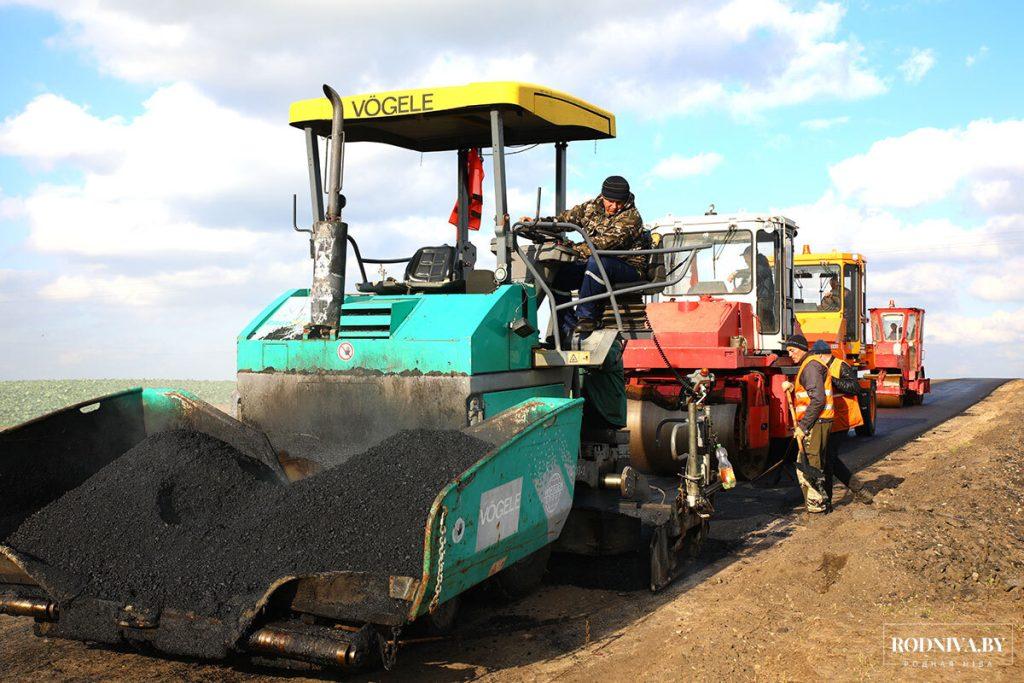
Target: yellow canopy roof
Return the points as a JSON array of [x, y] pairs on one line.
[[458, 117]]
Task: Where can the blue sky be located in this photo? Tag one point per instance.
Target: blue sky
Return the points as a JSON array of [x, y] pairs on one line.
[[146, 168]]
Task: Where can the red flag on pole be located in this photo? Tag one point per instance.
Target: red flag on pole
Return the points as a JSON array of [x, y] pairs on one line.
[[475, 173]]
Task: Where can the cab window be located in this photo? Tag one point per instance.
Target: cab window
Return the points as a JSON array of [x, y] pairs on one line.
[[892, 327], [769, 257], [851, 303], [911, 325]]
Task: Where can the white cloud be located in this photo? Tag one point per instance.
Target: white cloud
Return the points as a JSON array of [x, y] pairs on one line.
[[917, 65], [823, 124], [677, 166], [73, 220], [973, 59], [10, 207], [52, 129], [150, 290], [930, 279], [886, 237], [743, 55], [928, 165], [998, 332], [145, 178], [1003, 283], [995, 195]]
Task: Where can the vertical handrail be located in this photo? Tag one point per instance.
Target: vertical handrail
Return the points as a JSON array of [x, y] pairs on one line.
[[604, 276]]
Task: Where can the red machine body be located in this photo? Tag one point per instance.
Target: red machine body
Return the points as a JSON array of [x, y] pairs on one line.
[[715, 335], [898, 359]]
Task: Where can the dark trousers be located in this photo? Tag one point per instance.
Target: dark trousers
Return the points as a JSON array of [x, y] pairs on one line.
[[815, 455], [834, 467], [585, 276]]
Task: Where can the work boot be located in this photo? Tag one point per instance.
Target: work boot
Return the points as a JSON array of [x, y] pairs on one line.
[[586, 325], [860, 493], [822, 508], [864, 496]]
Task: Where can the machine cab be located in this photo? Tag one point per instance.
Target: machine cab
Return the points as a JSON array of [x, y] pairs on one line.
[[736, 258], [897, 334], [829, 298]]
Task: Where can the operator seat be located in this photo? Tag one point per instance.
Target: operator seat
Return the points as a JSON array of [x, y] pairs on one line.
[[431, 269]]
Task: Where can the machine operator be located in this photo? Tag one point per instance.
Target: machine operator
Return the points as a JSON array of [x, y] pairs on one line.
[[613, 223], [740, 280], [832, 301]]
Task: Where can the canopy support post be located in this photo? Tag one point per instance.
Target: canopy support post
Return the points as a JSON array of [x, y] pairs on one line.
[[465, 252], [560, 155], [503, 270]]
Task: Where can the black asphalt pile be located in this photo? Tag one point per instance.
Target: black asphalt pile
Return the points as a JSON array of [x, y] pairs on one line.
[[185, 520], [369, 513]]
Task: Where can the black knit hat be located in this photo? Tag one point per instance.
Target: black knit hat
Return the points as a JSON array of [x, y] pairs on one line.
[[821, 346], [797, 341], [615, 188]]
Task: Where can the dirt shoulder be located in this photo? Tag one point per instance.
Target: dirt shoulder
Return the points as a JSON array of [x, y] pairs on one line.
[[801, 599], [944, 542]]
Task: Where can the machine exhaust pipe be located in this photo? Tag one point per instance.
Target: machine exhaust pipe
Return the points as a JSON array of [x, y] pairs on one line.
[[38, 608], [335, 202], [330, 237]]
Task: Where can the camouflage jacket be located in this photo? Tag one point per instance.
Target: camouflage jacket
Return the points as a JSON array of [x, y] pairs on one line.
[[623, 230]]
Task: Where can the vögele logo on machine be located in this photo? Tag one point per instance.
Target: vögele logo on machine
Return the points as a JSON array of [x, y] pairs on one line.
[[952, 646], [499, 513], [390, 105]]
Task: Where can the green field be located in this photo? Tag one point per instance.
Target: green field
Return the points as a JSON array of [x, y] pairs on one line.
[[23, 400]]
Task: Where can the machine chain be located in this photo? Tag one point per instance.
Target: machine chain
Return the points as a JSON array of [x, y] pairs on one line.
[[441, 545], [389, 648]]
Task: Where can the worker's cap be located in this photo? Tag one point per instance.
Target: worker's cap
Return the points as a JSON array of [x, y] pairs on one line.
[[821, 346], [797, 341], [615, 188]]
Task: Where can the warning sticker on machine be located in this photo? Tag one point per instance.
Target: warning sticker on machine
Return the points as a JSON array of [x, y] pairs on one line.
[[499, 513], [555, 497]]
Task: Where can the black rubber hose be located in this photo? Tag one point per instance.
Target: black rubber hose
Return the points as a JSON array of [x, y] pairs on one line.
[[683, 382]]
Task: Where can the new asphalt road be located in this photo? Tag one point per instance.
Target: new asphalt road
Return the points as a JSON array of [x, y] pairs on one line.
[[752, 506]]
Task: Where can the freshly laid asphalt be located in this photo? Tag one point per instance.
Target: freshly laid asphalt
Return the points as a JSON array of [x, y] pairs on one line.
[[750, 507]]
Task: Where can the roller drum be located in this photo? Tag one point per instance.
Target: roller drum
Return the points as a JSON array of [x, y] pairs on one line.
[[890, 401], [650, 456]]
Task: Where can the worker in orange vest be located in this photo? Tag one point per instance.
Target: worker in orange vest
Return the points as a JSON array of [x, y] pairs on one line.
[[846, 389], [814, 412]]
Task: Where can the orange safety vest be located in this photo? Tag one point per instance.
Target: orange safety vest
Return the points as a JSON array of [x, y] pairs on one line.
[[848, 413], [801, 399]]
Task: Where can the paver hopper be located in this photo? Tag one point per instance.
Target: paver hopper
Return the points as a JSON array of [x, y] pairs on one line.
[[505, 507]]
